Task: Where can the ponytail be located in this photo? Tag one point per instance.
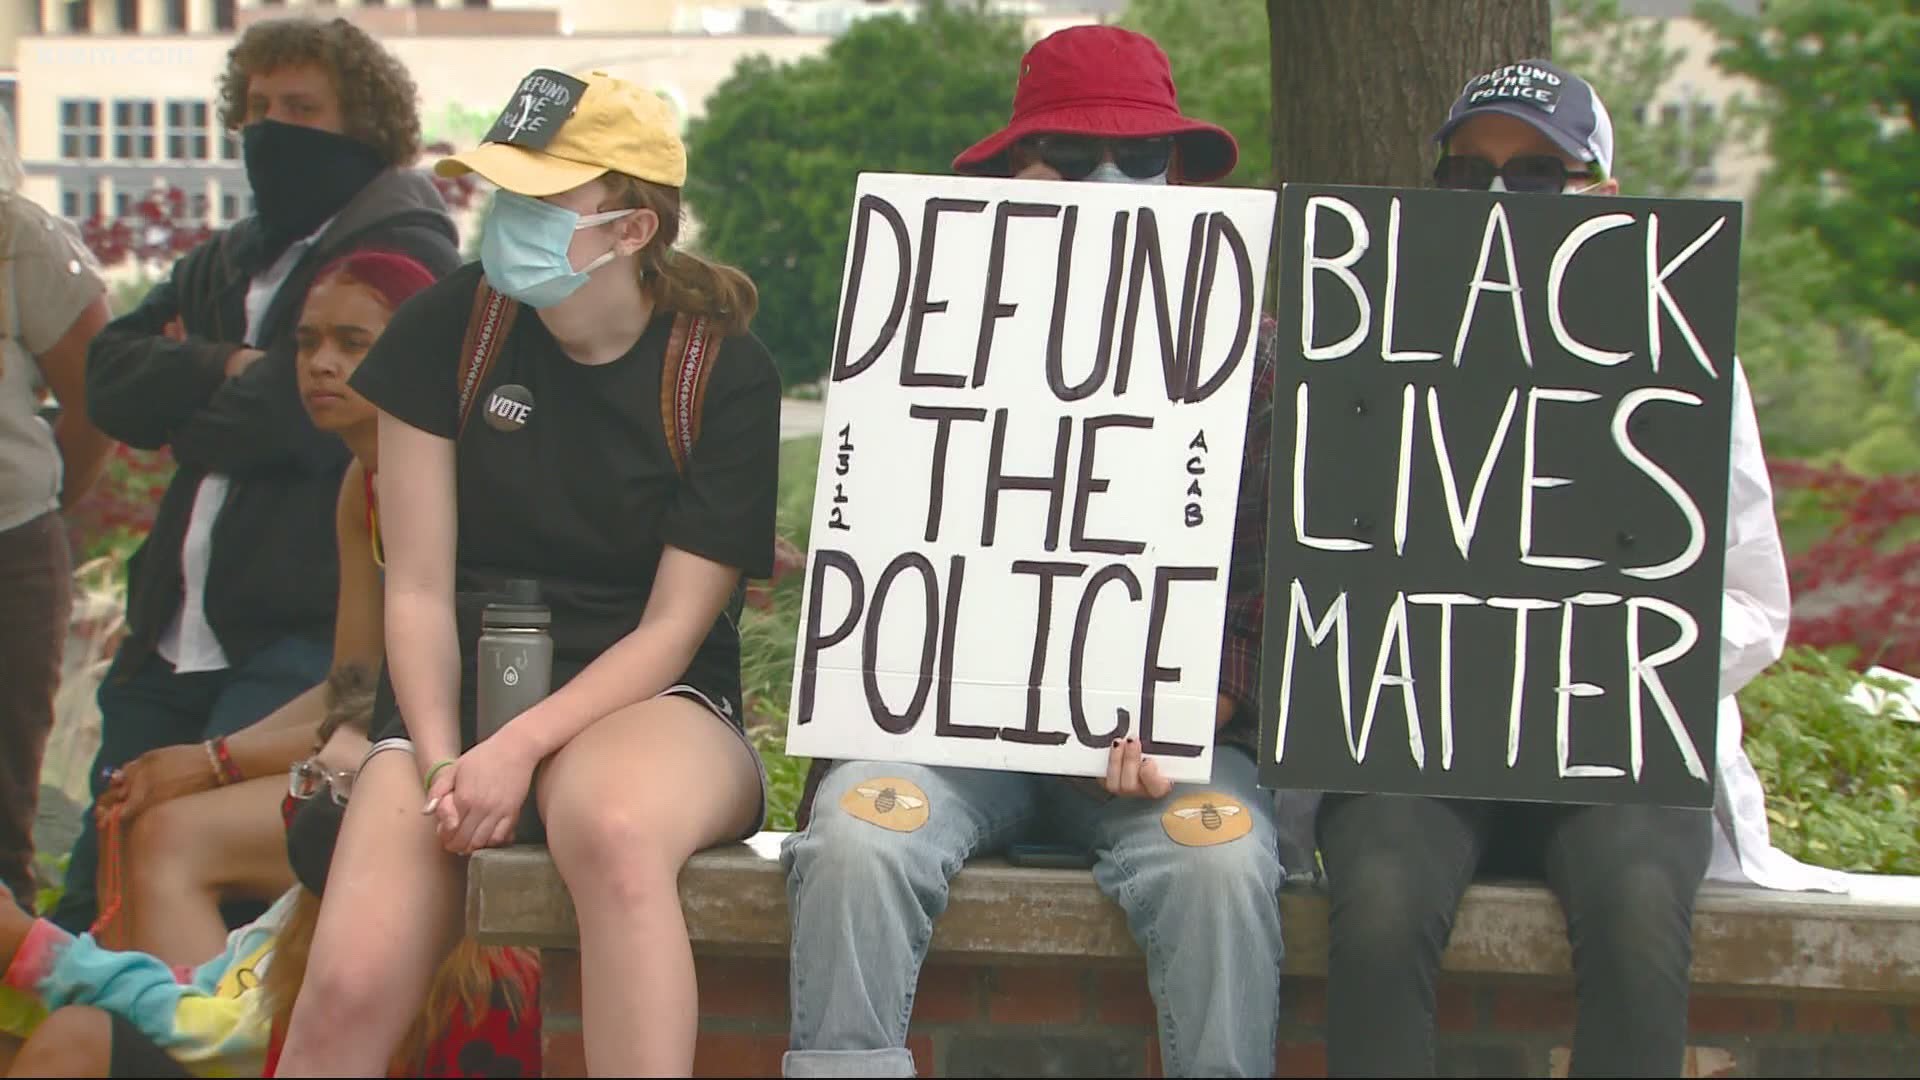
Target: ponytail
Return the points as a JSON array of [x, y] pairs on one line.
[[680, 280]]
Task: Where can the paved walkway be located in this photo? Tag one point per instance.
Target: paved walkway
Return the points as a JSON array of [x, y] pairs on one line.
[[799, 419]]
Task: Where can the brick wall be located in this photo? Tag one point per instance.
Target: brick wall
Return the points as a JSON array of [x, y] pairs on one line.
[[1081, 1021]]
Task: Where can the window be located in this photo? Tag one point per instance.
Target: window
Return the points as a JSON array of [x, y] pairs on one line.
[[175, 15], [127, 14], [122, 202], [133, 137], [223, 15], [79, 14], [233, 205], [79, 200], [79, 130], [229, 146], [197, 207], [186, 131]]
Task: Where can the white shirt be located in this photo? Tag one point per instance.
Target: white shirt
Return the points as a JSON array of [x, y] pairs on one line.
[[189, 643], [1755, 612]]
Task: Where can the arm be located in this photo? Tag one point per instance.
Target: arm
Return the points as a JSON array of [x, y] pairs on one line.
[[1757, 604], [416, 492], [688, 594], [254, 422], [492, 779], [188, 1020], [357, 624], [141, 383], [83, 447]]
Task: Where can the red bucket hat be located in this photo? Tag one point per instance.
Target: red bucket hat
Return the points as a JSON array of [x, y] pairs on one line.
[[1102, 80]]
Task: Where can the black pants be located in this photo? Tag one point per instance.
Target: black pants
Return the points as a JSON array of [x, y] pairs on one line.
[[35, 580], [1625, 875]]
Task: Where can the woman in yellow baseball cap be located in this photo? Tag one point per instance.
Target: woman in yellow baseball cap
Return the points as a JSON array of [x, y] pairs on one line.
[[625, 461]]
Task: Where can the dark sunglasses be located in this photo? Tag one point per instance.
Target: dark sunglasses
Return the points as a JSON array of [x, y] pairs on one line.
[[1075, 156], [1538, 173]]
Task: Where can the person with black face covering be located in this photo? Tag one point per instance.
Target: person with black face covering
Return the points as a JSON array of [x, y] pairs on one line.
[[231, 599]]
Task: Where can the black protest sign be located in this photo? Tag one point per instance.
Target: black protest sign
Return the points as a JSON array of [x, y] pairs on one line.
[[541, 104], [1499, 490]]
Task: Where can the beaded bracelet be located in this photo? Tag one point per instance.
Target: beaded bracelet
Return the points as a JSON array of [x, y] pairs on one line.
[[213, 762], [223, 762]]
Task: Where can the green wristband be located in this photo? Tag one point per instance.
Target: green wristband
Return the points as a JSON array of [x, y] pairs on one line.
[[427, 784]]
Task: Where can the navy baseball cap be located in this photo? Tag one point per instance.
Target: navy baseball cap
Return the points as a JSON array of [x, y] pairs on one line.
[[1556, 102]]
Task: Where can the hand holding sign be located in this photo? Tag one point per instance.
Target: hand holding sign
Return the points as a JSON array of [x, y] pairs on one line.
[[1024, 504]]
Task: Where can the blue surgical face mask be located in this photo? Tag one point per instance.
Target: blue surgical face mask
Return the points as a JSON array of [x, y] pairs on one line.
[[523, 248], [1108, 173]]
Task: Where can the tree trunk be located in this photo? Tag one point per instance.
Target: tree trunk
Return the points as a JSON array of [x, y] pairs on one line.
[[1359, 86]]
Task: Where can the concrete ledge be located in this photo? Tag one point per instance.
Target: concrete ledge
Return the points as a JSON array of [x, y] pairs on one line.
[[1745, 939]]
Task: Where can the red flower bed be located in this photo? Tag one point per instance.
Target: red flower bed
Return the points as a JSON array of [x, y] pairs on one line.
[[1859, 584]]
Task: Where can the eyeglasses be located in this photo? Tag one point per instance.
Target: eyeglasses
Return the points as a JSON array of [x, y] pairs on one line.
[[306, 778], [1537, 173], [1076, 156]]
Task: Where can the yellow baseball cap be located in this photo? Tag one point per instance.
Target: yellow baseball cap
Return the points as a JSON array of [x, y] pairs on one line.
[[560, 131]]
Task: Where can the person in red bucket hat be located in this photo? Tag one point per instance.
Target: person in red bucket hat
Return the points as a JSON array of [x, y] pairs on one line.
[[1195, 866], [1098, 102]]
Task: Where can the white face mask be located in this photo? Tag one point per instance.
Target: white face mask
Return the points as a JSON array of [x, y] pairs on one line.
[[1108, 173]]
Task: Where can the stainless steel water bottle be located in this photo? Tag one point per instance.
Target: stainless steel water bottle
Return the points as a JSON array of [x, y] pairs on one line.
[[515, 659]]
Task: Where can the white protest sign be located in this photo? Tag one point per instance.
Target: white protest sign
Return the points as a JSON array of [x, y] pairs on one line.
[[1029, 474]]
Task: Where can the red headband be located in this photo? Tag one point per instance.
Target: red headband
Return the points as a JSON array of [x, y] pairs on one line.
[[393, 275]]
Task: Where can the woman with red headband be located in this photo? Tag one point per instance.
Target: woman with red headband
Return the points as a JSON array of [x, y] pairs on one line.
[[204, 828]]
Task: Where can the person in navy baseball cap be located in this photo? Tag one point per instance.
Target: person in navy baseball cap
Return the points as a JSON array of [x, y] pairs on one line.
[[1626, 875], [1529, 126]]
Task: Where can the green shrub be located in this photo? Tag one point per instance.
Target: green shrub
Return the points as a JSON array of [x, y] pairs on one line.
[[1839, 779], [768, 634]]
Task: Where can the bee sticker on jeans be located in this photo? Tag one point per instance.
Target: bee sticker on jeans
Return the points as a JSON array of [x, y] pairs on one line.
[[888, 802], [1205, 819]]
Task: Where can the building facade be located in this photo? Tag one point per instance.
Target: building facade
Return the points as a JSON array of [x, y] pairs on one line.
[[117, 98]]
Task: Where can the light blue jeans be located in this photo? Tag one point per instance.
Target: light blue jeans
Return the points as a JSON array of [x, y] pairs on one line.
[[1197, 874]]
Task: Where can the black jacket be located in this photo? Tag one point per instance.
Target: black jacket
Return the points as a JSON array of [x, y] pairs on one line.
[[273, 571]]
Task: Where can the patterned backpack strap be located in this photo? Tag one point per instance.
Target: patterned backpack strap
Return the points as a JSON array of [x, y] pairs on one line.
[[487, 328], [683, 389], [683, 385]]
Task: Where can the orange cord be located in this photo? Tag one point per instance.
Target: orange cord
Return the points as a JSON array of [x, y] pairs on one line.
[[107, 928]]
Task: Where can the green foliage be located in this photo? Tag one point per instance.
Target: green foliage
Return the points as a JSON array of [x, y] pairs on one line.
[[774, 159], [1839, 779], [767, 639], [1222, 68], [1627, 60], [51, 870], [1828, 386], [1842, 110], [458, 125]]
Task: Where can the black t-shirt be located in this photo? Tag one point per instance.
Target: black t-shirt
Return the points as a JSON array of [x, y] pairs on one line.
[[584, 496]]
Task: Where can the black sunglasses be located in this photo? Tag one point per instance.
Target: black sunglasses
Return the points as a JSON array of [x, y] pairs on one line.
[[1539, 173], [1076, 156]]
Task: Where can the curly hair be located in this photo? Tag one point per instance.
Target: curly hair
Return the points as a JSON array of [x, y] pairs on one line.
[[378, 99]]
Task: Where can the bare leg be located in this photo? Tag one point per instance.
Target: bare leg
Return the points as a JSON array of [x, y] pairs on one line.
[[626, 802], [392, 913], [74, 1041], [193, 853]]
